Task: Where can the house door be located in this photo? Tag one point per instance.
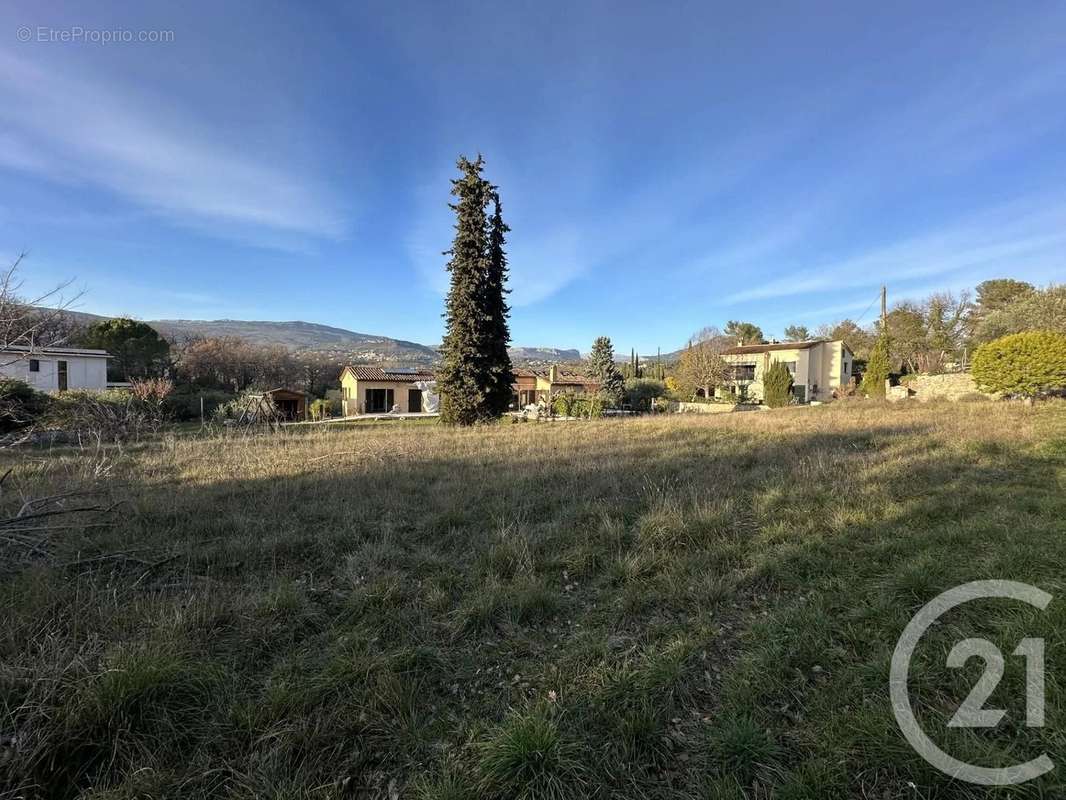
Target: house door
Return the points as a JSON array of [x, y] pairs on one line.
[[61, 373], [414, 401]]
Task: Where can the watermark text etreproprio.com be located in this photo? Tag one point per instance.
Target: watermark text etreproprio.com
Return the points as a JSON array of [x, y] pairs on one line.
[[78, 34]]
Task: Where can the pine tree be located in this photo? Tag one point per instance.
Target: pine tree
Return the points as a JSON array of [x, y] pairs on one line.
[[601, 363], [499, 373], [462, 379]]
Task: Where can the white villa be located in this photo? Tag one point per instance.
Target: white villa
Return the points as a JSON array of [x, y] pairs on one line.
[[55, 369]]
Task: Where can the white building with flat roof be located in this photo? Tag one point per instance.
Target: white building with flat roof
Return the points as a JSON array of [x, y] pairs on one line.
[[55, 369]]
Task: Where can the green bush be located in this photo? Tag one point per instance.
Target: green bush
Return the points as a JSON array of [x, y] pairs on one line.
[[591, 407], [642, 392], [584, 406], [728, 395], [878, 368], [324, 408], [1022, 364], [20, 404], [563, 404], [777, 385]]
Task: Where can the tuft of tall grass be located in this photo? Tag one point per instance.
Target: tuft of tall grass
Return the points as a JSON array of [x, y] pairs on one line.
[[530, 758]]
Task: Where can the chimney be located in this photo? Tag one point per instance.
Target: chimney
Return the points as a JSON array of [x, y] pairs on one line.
[[553, 374]]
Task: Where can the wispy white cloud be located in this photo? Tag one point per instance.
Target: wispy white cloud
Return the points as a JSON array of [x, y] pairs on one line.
[[77, 130], [903, 148], [999, 236]]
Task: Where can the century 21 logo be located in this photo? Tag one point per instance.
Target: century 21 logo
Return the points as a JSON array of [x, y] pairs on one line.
[[972, 713]]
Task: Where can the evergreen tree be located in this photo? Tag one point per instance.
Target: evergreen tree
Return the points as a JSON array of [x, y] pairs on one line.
[[137, 350], [744, 332], [601, 363], [475, 375], [878, 368], [777, 385], [463, 379], [499, 372]]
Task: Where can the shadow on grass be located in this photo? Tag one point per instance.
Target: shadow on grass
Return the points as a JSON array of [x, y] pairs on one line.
[[696, 613]]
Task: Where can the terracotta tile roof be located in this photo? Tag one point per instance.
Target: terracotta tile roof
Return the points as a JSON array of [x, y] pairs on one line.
[[562, 376], [389, 375], [573, 377]]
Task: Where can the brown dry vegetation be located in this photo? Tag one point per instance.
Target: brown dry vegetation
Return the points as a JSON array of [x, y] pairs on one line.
[[683, 607]]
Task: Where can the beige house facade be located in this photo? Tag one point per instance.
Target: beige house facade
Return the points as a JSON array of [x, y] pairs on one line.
[[817, 367], [377, 390], [539, 386], [373, 390]]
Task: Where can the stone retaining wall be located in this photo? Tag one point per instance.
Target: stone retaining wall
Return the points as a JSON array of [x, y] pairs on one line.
[[951, 386]]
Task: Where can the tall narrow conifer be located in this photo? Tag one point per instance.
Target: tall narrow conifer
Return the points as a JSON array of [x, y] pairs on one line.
[[499, 374], [475, 377]]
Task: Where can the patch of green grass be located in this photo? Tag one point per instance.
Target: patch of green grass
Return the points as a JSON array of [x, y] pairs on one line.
[[529, 758], [742, 749]]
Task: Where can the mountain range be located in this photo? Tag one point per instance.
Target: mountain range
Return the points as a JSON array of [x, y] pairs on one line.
[[313, 337]]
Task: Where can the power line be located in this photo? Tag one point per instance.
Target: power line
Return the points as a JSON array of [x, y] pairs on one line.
[[867, 311]]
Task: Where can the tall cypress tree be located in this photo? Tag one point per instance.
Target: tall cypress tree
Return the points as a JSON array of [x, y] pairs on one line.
[[461, 379], [499, 373], [475, 376]]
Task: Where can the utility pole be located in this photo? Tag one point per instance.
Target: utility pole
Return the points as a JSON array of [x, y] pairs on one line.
[[884, 308]]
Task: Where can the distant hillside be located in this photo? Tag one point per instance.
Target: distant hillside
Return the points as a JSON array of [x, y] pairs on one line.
[[299, 335], [547, 355], [310, 336]]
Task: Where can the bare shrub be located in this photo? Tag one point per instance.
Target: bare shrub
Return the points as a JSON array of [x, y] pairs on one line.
[[107, 416], [152, 394]]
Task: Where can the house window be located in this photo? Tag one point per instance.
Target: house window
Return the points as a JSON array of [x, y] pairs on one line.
[[744, 372], [61, 371], [791, 365], [35, 365], [378, 401]]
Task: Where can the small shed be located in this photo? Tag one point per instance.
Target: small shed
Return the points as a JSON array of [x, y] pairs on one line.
[[291, 403]]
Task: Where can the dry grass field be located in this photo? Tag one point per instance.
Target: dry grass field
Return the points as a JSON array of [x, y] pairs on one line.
[[682, 607]]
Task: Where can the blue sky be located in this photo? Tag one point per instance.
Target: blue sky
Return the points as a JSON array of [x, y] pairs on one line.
[[664, 166]]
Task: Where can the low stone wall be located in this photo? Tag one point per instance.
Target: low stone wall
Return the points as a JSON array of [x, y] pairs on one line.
[[705, 408], [951, 386]]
